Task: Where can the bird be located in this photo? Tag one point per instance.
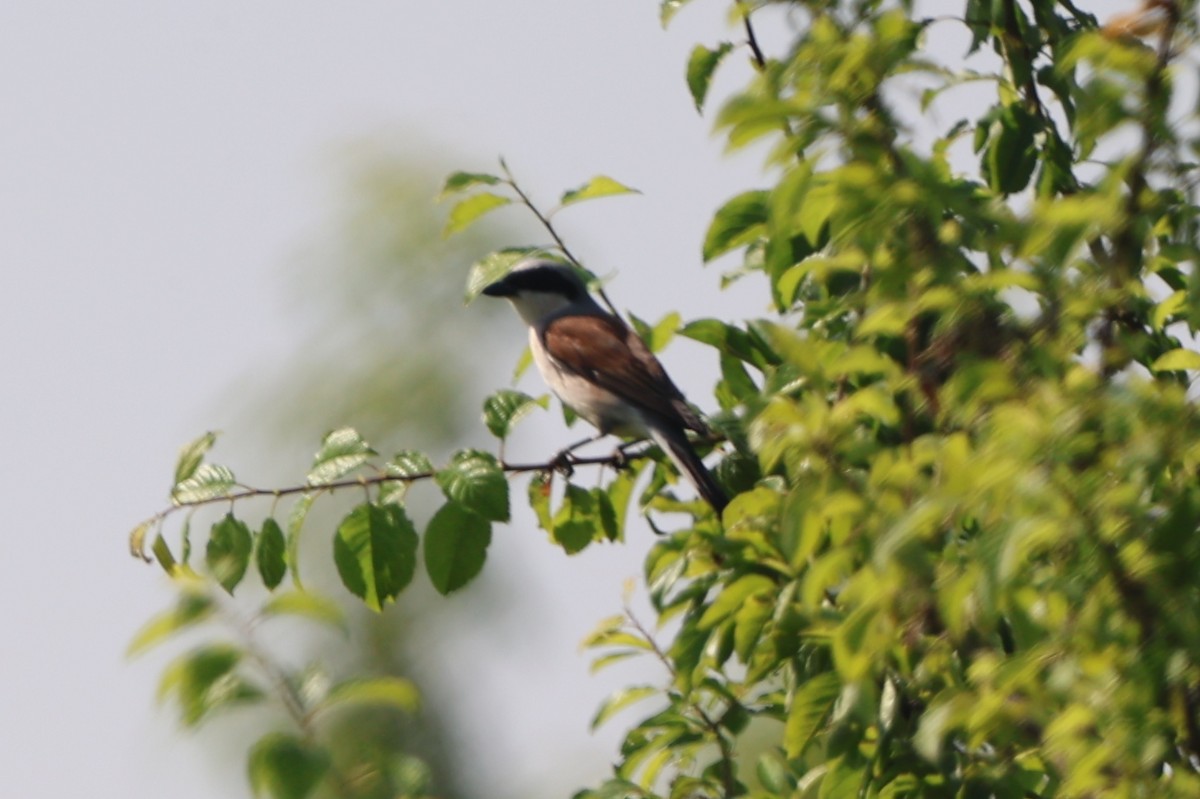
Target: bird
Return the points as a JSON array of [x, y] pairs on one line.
[[599, 367]]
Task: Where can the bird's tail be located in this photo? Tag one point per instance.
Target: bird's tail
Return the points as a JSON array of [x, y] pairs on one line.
[[680, 450]]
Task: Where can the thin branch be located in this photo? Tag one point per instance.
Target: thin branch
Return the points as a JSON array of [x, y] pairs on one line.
[[728, 779], [564, 462], [288, 696], [760, 61], [544, 220]]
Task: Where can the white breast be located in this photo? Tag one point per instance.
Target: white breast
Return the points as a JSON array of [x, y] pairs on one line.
[[604, 410]]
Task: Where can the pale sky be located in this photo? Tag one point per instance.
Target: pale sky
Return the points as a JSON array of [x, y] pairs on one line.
[[160, 164]]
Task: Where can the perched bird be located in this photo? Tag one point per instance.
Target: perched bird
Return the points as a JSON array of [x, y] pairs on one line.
[[597, 365]]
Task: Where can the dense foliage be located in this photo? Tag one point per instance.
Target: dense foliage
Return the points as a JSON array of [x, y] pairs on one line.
[[962, 557]]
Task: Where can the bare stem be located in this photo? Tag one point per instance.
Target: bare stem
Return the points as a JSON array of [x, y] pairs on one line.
[[544, 219], [713, 726]]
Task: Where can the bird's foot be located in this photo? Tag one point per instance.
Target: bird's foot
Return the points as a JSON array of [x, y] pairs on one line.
[[563, 462]]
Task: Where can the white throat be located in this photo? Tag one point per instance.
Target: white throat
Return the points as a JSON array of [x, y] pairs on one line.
[[534, 306]]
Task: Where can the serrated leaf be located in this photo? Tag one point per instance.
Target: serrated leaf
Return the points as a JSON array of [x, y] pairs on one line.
[[342, 451], [204, 681], [538, 493], [810, 706], [456, 543], [599, 186], [307, 605], [457, 182], [493, 267], [502, 410], [137, 540], [375, 549], [621, 700], [667, 9], [208, 481], [611, 658], [192, 608], [740, 221], [228, 552], [843, 778], [733, 597], [1012, 155], [393, 692], [295, 524], [584, 516], [749, 621], [271, 554], [466, 212], [162, 553], [191, 456], [282, 766], [658, 337], [1176, 360], [410, 463], [702, 63], [474, 480]]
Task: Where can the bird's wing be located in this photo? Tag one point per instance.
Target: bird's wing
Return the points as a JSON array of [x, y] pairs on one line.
[[605, 351]]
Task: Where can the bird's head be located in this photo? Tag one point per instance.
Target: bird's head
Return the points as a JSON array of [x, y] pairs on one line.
[[539, 287]]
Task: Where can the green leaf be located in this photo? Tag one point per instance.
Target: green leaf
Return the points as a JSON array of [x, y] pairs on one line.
[[191, 456], [735, 595], [810, 706], [204, 681], [375, 549], [730, 340], [137, 540], [162, 553], [208, 481], [599, 186], [538, 492], [456, 543], [584, 516], [621, 700], [843, 778], [667, 9], [282, 766], [852, 644], [296, 517], [192, 608], [342, 451], [228, 553], [390, 692], [502, 410], [737, 223], [1176, 360], [493, 267], [306, 604], [411, 464], [458, 182], [474, 480], [664, 331], [1011, 156], [271, 554], [702, 63], [466, 212]]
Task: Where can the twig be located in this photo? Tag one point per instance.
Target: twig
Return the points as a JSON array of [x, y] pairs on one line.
[[289, 697], [728, 779], [544, 220], [615, 459], [760, 61]]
